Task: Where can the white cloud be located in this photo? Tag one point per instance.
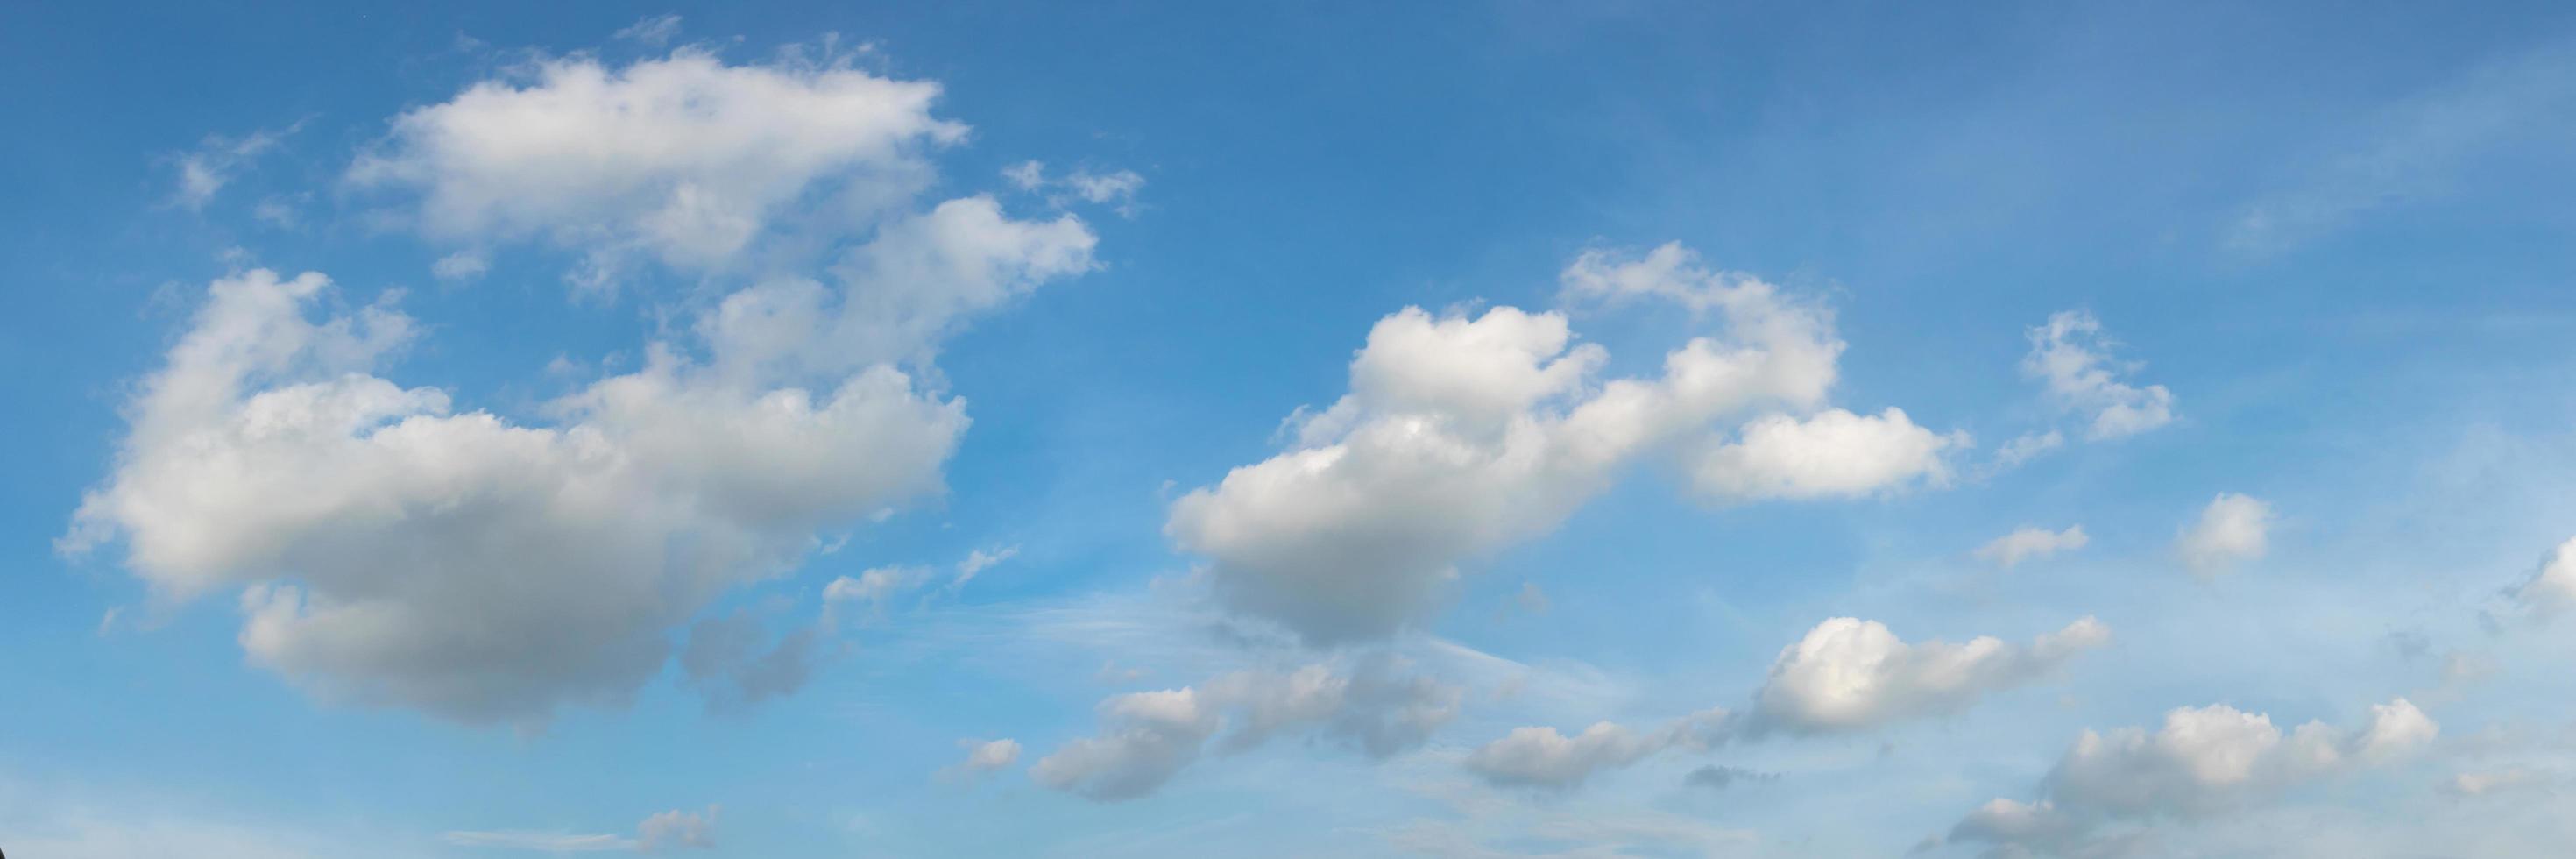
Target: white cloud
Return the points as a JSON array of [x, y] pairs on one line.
[[676, 828], [1845, 675], [1463, 435], [683, 158], [1833, 453], [2026, 543], [1541, 757], [1849, 674], [984, 756], [393, 549], [461, 266], [978, 561], [2070, 355], [2552, 586], [2491, 782], [2027, 446], [212, 165], [2203, 761], [264, 456], [661, 831], [1082, 185], [1148, 737], [655, 30], [2232, 529]]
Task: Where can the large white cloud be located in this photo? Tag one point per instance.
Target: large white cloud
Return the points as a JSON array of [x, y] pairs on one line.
[[398, 550], [1464, 434], [394, 549], [2202, 761], [2071, 358], [1148, 737], [685, 158]]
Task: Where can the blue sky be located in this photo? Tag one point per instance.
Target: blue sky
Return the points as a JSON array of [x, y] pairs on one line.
[[1490, 429]]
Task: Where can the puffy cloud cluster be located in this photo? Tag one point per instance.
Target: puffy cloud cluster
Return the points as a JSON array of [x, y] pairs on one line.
[[1461, 435], [685, 158], [393, 548], [2232, 529], [1148, 737], [2027, 543], [2071, 357], [2202, 761], [1849, 674]]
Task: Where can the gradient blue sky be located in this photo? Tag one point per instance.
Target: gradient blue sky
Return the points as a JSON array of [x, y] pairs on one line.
[[2288, 287]]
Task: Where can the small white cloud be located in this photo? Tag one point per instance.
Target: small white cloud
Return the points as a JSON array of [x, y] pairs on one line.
[[983, 757], [204, 171], [2551, 589], [1148, 737], [1849, 674], [2232, 529], [2071, 357], [1540, 757], [2027, 543], [460, 266], [654, 31], [661, 831], [2028, 446], [978, 561], [1834, 453]]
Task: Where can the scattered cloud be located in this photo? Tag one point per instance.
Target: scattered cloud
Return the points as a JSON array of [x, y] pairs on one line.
[[683, 159], [2204, 761], [2027, 543], [1148, 737], [1849, 674], [2071, 358], [654, 31], [663, 831], [2232, 529], [203, 172], [1540, 757], [1462, 435], [985, 756]]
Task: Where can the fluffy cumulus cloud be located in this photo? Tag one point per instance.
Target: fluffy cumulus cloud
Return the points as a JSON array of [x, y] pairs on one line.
[[1464, 434], [2028, 543], [684, 158], [2070, 356], [1833, 453], [1849, 674], [390, 547], [2232, 529], [2203, 761], [1148, 737]]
